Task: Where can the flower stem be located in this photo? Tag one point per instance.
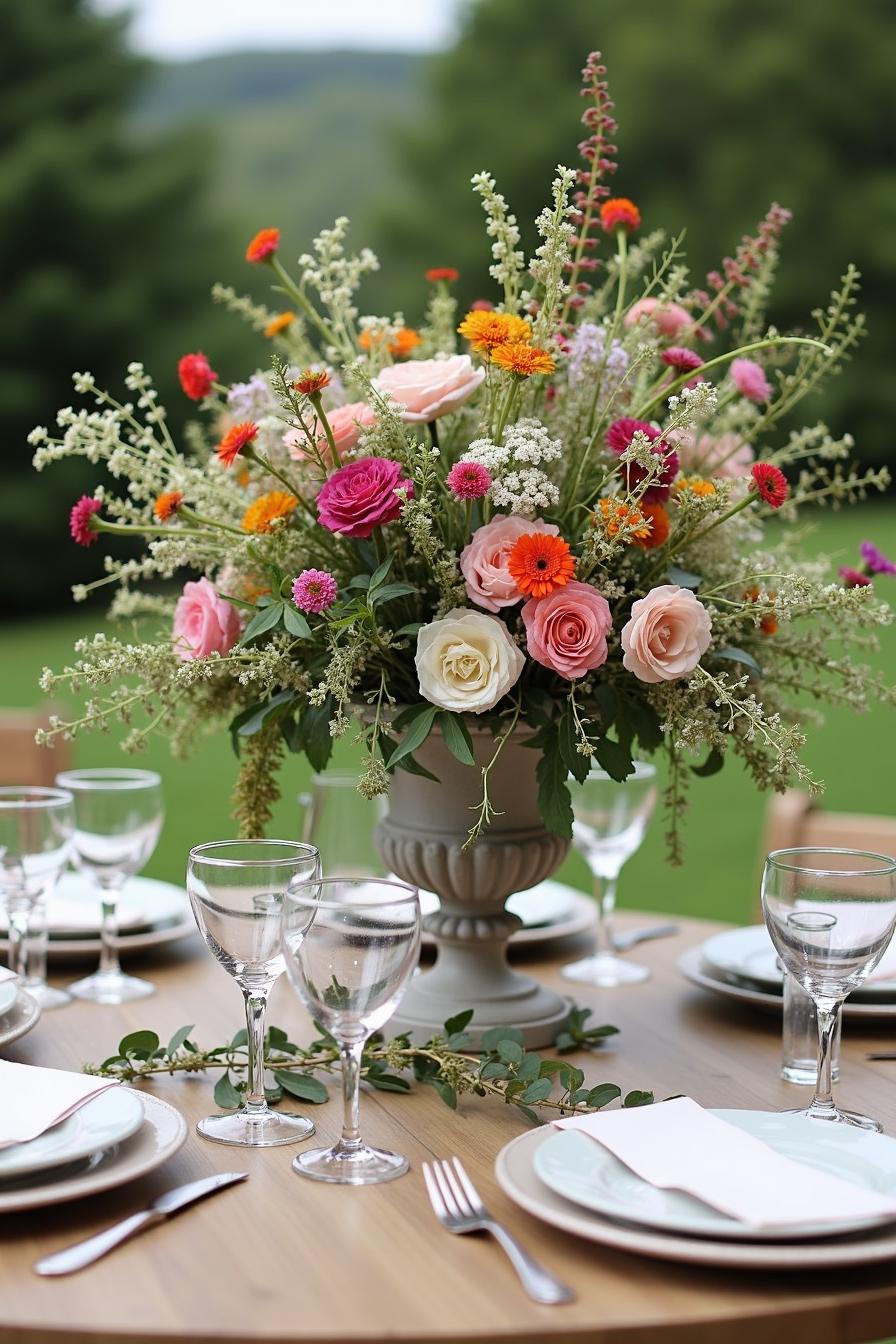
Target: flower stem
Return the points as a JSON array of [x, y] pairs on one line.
[[316, 402]]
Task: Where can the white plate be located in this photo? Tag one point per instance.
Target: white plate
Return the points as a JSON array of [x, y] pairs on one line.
[[73, 910], [576, 1167], [549, 911], [19, 1019], [163, 1132], [109, 1118], [749, 954], [8, 991], [693, 968], [514, 1169]]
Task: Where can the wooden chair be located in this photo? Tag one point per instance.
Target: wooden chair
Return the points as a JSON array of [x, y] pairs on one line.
[[792, 821], [22, 761]]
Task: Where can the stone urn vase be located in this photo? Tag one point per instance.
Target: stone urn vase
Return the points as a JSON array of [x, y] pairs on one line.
[[421, 840]]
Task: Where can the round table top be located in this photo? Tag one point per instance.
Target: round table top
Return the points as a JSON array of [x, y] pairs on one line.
[[279, 1258]]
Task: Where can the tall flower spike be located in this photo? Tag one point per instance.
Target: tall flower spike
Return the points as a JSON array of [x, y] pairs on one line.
[[598, 152]]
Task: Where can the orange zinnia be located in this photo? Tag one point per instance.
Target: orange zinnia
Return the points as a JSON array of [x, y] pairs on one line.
[[403, 342], [279, 323], [310, 382], [658, 519], [487, 329], [263, 245], [616, 515], [167, 505], [696, 484], [236, 441], [447, 274], [523, 360], [539, 563], [619, 213], [267, 509]]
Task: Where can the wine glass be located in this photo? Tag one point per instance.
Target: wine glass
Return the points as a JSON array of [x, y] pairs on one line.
[[610, 818], [830, 914], [118, 817], [36, 827], [340, 822], [236, 889], [351, 946]]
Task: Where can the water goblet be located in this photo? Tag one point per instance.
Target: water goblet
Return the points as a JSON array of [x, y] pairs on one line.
[[340, 822], [36, 827], [351, 946], [610, 818], [830, 914], [118, 817], [236, 889]]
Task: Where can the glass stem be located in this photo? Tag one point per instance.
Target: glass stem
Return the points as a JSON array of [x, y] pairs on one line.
[[256, 1006], [351, 1054], [605, 896], [36, 946], [828, 1016], [109, 964], [18, 941]]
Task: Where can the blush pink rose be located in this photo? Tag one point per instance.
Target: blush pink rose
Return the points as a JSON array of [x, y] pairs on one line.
[[483, 562], [347, 424], [567, 630], [669, 318], [203, 622], [361, 496], [726, 455], [427, 388], [667, 635]]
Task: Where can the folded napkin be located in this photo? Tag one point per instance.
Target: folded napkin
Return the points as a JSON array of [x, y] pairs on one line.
[[32, 1100], [676, 1145]]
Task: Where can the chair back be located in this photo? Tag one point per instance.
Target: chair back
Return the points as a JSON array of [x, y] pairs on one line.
[[22, 761]]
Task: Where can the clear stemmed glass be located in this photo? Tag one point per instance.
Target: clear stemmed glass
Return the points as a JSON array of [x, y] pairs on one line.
[[236, 889], [351, 946], [610, 818], [36, 827], [830, 914], [340, 822], [118, 817]]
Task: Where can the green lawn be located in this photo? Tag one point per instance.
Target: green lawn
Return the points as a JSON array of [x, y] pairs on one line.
[[723, 830]]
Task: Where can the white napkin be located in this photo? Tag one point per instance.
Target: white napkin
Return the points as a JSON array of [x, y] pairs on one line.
[[68, 915], [6, 974], [676, 1145], [32, 1100]]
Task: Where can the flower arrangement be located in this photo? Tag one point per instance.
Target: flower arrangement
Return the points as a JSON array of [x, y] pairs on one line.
[[569, 510]]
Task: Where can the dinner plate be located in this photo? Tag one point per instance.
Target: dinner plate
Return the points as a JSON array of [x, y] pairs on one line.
[[515, 1171], [583, 1171], [8, 991], [749, 954], [162, 1133], [549, 912], [19, 1018], [693, 968], [110, 1118]]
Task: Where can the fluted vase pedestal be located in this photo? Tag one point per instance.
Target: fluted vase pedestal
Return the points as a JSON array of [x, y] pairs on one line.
[[421, 840]]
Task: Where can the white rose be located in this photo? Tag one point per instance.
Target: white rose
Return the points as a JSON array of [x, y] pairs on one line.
[[466, 661]]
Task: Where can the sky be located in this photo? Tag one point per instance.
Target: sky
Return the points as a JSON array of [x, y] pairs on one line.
[[183, 29]]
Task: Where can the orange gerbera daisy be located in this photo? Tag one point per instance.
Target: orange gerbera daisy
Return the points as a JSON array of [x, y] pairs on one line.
[[658, 519], [263, 245], [539, 563], [279, 323], [696, 484], [485, 329], [311, 382], [447, 274], [616, 515], [167, 505], [236, 441], [523, 360], [267, 509]]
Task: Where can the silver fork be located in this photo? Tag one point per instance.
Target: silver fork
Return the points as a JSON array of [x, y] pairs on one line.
[[459, 1208]]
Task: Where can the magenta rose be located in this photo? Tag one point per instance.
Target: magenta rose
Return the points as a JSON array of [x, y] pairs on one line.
[[483, 561], [567, 630], [667, 635], [203, 622], [361, 496]]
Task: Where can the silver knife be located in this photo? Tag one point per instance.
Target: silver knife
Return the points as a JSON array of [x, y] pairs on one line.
[[84, 1253], [623, 941]]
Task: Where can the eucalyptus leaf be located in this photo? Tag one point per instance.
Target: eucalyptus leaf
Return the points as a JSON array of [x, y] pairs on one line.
[[458, 1022], [602, 1095], [226, 1095], [178, 1039], [302, 1086], [637, 1099], [142, 1042], [538, 1091]]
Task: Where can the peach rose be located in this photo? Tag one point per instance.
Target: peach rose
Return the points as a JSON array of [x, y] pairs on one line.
[[427, 388], [347, 424], [726, 455], [668, 633], [203, 622], [668, 318], [483, 562], [567, 630]]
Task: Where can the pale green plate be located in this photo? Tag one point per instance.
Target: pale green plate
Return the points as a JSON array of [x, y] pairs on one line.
[[110, 1118]]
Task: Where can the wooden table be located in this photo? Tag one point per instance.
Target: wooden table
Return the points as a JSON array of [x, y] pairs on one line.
[[279, 1258]]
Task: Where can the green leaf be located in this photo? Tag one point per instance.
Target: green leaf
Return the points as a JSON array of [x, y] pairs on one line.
[[529, 1068], [388, 1082], [314, 729], [265, 620], [739, 656], [495, 1069], [711, 766], [510, 1052], [492, 1038], [240, 1040], [295, 622], [646, 723], [361, 581], [391, 591], [411, 629], [416, 733], [538, 1090], [457, 737], [226, 1095], [262, 712], [138, 1042], [576, 764], [178, 1039], [602, 1095], [638, 1099], [683, 577], [458, 1022], [531, 1115], [379, 574], [614, 758], [415, 768], [302, 1086], [606, 702], [445, 1091], [554, 802]]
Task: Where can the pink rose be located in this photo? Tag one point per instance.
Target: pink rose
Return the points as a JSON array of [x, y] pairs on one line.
[[567, 630], [483, 561], [203, 622], [668, 318], [668, 633], [347, 424], [727, 455], [361, 496], [428, 388], [750, 380]]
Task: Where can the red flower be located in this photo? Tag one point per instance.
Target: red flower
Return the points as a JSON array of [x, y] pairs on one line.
[[235, 441], [311, 382], [446, 273], [197, 377], [619, 213], [620, 435], [263, 245], [853, 578], [80, 520], [770, 483]]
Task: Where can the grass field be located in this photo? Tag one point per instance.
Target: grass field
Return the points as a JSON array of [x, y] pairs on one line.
[[724, 827]]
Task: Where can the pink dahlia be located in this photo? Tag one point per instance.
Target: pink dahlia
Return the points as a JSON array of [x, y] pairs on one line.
[[79, 520], [620, 435], [469, 480], [314, 591], [750, 380]]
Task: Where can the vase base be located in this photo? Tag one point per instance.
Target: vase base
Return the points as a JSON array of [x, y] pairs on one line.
[[537, 1012]]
